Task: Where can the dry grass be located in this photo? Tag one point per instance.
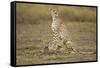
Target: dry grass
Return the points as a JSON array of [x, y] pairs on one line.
[[33, 28]]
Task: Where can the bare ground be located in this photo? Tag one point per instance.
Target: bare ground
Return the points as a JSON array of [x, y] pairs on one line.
[[30, 39]]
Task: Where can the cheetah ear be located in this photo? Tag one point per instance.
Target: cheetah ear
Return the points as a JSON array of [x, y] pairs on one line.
[[50, 9]]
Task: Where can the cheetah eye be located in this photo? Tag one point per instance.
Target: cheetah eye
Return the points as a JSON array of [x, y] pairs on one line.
[[55, 12]]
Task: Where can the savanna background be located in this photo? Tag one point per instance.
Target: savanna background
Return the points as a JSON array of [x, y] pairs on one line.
[[33, 28]]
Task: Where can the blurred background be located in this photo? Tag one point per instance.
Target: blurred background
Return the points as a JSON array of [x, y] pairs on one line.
[[35, 12]]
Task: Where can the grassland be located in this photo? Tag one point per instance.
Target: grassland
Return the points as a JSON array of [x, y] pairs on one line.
[[33, 28]]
